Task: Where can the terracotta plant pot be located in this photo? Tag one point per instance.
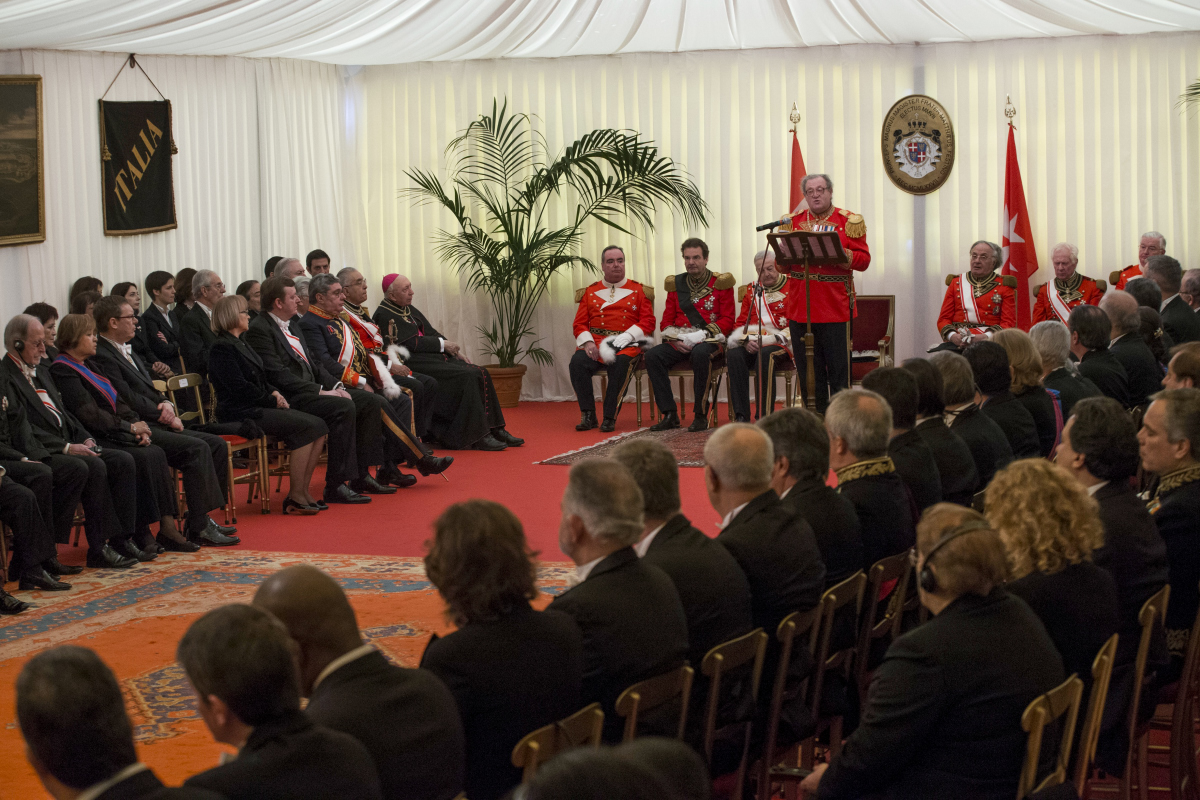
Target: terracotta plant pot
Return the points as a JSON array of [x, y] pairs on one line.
[[507, 381]]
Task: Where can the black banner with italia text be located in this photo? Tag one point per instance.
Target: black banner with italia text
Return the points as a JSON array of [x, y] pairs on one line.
[[139, 190]]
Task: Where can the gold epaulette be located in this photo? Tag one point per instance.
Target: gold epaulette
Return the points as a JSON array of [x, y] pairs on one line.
[[1009, 280], [856, 226], [1114, 277], [648, 291], [1102, 286], [1038, 289], [950, 279], [725, 280], [579, 293], [741, 292], [669, 283]]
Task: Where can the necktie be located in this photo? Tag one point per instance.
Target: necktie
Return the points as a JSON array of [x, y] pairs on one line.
[[43, 395]]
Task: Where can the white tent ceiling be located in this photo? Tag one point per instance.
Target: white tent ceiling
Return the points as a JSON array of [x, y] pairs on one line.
[[402, 31]]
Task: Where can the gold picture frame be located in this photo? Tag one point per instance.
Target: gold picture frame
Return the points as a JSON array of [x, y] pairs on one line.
[[22, 199]]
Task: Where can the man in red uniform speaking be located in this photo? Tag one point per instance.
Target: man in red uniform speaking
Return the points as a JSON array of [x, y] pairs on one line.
[[832, 289], [978, 301], [698, 316], [615, 318]]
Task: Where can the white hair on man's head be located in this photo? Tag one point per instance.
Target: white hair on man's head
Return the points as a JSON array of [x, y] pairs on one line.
[[1071, 249], [1162, 240], [1052, 340], [281, 267], [863, 419], [804, 181], [202, 279], [742, 456], [603, 494], [18, 328], [345, 273]]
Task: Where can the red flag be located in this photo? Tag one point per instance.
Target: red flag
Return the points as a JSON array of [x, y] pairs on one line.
[[1019, 256], [797, 196]]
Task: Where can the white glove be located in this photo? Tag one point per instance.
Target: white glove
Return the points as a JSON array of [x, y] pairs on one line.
[[622, 340], [694, 338]]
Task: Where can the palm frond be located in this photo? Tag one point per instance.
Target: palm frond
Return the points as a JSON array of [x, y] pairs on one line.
[[1191, 95]]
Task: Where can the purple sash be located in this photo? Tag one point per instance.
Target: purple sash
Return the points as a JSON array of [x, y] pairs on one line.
[[98, 381]]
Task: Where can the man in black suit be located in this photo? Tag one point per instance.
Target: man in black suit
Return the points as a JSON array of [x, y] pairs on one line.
[[196, 333], [1091, 333], [1052, 341], [1183, 370], [993, 382], [801, 469], [1178, 319], [202, 458], [78, 738], [944, 715], [633, 623], [859, 423], [1167, 446], [406, 718], [242, 666], [908, 450], [160, 333], [956, 465], [989, 446], [1142, 368], [711, 585], [1100, 448], [306, 385]]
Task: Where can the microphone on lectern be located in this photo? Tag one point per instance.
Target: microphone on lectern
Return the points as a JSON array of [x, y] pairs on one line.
[[766, 226]]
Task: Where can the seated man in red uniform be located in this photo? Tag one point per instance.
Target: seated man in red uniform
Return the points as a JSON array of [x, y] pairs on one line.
[[832, 288], [764, 311], [1151, 244], [977, 302], [698, 317], [615, 317], [1068, 289]]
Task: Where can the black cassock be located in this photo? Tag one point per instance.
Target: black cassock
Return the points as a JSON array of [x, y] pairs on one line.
[[466, 408]]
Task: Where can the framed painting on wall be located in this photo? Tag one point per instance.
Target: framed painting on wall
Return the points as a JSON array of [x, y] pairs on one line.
[[22, 195]]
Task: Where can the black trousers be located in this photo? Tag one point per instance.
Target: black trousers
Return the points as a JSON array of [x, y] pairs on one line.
[[661, 358], [202, 459], [831, 359], [424, 390], [465, 405], [383, 430], [57, 484], [339, 415], [738, 361], [582, 368], [32, 543], [111, 475], [155, 489]]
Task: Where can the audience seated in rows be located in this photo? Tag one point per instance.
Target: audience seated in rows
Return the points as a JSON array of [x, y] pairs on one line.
[[159, 326], [993, 381], [251, 292], [1025, 366], [907, 449], [1178, 319], [183, 298], [317, 262], [648, 768], [1141, 367], [1052, 341], [195, 326], [955, 464], [1091, 332], [86, 284], [1183, 370], [511, 669], [1153, 336], [84, 302], [48, 316], [985, 439]]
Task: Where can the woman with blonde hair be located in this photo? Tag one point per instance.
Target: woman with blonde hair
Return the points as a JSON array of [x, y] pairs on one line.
[[1026, 366], [1050, 525]]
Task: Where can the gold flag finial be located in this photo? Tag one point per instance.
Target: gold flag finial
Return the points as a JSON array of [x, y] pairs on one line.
[[1010, 110], [794, 117]]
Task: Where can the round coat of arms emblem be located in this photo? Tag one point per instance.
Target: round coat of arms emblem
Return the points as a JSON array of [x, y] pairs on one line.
[[918, 144]]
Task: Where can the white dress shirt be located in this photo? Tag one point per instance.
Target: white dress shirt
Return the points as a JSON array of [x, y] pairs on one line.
[[641, 547], [97, 789], [1093, 489], [582, 571], [729, 517]]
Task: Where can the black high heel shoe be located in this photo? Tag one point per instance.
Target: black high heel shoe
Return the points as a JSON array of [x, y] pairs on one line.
[[291, 506]]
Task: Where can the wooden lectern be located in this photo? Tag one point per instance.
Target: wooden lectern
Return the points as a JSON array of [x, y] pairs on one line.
[[808, 249]]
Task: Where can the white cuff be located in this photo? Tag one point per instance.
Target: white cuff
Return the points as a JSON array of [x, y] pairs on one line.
[[584, 338], [441, 345], [66, 449], [636, 332], [361, 381]]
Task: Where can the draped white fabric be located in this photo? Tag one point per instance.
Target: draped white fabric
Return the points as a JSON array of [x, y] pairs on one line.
[[401, 31], [257, 171], [1105, 155]]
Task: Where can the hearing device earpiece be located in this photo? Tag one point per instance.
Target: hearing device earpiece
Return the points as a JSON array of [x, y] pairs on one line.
[[19, 345], [926, 579]]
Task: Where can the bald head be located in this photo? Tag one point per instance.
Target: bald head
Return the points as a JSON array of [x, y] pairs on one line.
[[314, 609], [1122, 311], [741, 456]]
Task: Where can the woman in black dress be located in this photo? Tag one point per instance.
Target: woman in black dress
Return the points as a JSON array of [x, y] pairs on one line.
[[92, 399], [1027, 387], [243, 392]]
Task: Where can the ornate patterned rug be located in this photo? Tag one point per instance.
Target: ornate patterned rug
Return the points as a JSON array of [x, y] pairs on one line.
[[688, 447], [135, 618]]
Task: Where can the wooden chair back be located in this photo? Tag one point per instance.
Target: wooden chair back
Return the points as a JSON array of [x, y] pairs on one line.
[[835, 599], [750, 648], [1185, 781], [654, 692], [192, 382], [1089, 734], [583, 728], [1060, 703], [895, 569], [1154, 611], [789, 633]]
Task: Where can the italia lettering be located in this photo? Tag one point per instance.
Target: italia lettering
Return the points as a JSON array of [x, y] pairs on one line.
[[121, 190], [126, 181]]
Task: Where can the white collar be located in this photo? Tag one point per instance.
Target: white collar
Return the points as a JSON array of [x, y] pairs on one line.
[[165, 311], [124, 348], [608, 285], [641, 547], [1091, 490], [582, 571], [784, 493], [729, 517], [341, 661], [97, 789], [207, 310], [1169, 299], [282, 323]]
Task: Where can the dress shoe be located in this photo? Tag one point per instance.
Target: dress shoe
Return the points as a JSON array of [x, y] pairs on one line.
[[11, 605], [434, 465], [489, 443], [670, 419], [213, 535], [608, 426], [55, 567], [290, 506], [321, 505], [345, 495], [390, 475], [507, 438], [158, 548], [39, 578], [699, 423], [587, 421], [368, 485], [127, 548], [224, 530], [107, 558], [170, 545], [741, 418]]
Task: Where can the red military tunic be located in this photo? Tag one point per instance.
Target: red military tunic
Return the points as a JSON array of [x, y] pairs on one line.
[[992, 301], [714, 302], [609, 309], [774, 318], [832, 287], [1127, 274], [1076, 290]]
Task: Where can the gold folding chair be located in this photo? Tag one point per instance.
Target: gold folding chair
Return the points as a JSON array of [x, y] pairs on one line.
[[792, 626], [652, 693], [835, 598], [1185, 780], [895, 569], [583, 728], [1139, 734], [1061, 702], [748, 649], [1089, 734]]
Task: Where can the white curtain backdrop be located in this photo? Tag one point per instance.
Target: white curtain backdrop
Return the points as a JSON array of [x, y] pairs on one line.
[[258, 170], [1105, 154]]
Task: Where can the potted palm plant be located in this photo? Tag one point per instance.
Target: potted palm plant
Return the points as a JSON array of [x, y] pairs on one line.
[[502, 181]]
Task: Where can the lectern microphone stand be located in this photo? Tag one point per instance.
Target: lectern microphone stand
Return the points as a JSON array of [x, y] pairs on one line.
[[802, 250]]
